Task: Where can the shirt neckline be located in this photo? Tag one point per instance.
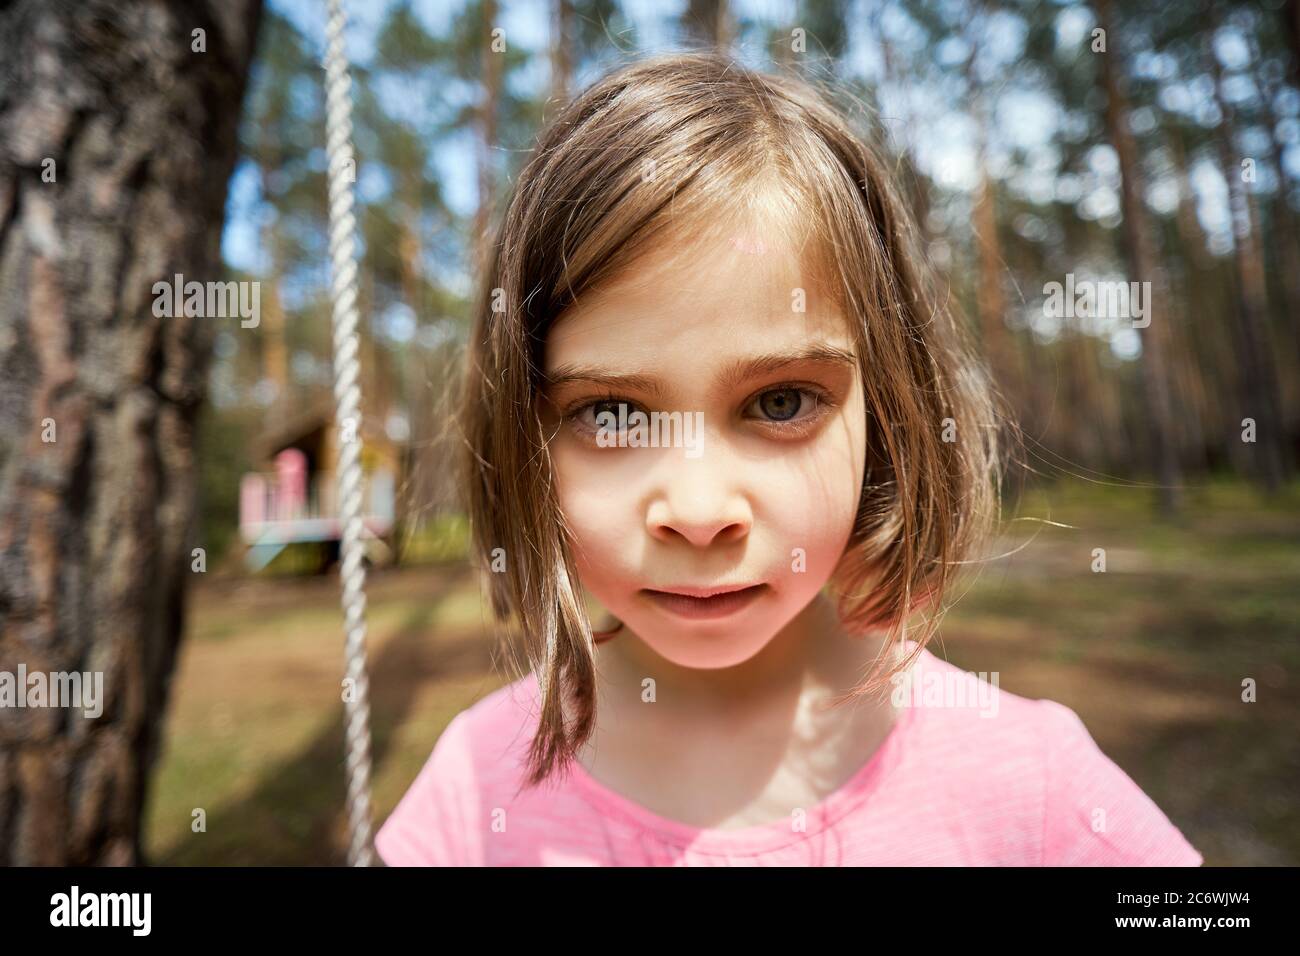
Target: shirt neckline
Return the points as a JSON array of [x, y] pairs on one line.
[[763, 836]]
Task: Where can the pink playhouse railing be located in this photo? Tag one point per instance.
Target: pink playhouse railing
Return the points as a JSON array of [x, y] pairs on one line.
[[285, 507]]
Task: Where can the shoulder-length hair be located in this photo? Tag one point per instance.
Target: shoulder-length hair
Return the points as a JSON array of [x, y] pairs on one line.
[[671, 145]]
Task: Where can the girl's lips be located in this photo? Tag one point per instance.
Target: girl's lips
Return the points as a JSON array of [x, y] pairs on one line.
[[706, 608]]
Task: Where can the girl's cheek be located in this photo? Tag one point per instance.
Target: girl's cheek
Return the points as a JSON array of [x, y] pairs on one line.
[[811, 507], [595, 508], [811, 531]]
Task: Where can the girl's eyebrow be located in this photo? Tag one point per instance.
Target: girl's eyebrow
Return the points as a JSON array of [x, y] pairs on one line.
[[734, 373]]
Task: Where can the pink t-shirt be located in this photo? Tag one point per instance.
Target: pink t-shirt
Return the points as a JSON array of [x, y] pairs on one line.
[[956, 783]]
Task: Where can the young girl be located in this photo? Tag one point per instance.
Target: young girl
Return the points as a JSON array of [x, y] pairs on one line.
[[712, 394]]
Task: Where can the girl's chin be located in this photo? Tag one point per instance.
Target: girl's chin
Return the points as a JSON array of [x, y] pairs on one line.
[[695, 646], [710, 658]]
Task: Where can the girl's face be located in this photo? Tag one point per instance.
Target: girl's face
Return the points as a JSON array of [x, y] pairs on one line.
[[732, 335]]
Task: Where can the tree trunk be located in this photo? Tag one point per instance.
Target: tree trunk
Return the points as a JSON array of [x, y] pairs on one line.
[[1291, 30], [97, 525], [1256, 369], [991, 300], [561, 65], [275, 349], [493, 72], [1284, 249], [706, 23], [1206, 339], [1287, 230], [990, 297], [1144, 266]]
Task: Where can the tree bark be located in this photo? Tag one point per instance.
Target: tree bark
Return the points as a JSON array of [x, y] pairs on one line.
[[97, 525]]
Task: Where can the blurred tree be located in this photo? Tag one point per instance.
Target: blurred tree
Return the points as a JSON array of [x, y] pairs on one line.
[[283, 123], [404, 225], [707, 23], [492, 62], [1291, 30], [118, 123], [990, 298], [1266, 71], [1268, 68], [582, 31], [561, 38], [1256, 368], [1144, 266]]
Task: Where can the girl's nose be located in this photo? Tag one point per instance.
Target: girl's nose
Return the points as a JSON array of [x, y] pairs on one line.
[[697, 508]]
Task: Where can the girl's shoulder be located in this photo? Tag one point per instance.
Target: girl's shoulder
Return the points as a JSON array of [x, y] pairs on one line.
[[1032, 760], [509, 708], [477, 762]]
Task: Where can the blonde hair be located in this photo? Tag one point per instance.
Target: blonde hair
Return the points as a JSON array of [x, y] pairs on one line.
[[675, 142]]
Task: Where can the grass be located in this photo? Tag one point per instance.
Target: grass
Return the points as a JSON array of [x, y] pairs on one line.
[[1151, 653]]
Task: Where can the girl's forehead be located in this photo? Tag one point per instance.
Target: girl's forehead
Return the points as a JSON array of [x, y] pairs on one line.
[[698, 292], [688, 332], [741, 262]]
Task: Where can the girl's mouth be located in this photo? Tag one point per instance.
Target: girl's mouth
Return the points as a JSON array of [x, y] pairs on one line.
[[697, 608]]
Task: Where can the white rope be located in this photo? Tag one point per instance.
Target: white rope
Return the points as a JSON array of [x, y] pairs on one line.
[[347, 398]]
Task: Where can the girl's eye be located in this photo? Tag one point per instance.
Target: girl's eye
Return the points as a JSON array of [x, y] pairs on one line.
[[792, 410], [607, 412], [619, 410], [786, 411], [781, 404]]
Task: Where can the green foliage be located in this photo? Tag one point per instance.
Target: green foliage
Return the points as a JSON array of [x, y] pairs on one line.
[[442, 538], [222, 460]]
